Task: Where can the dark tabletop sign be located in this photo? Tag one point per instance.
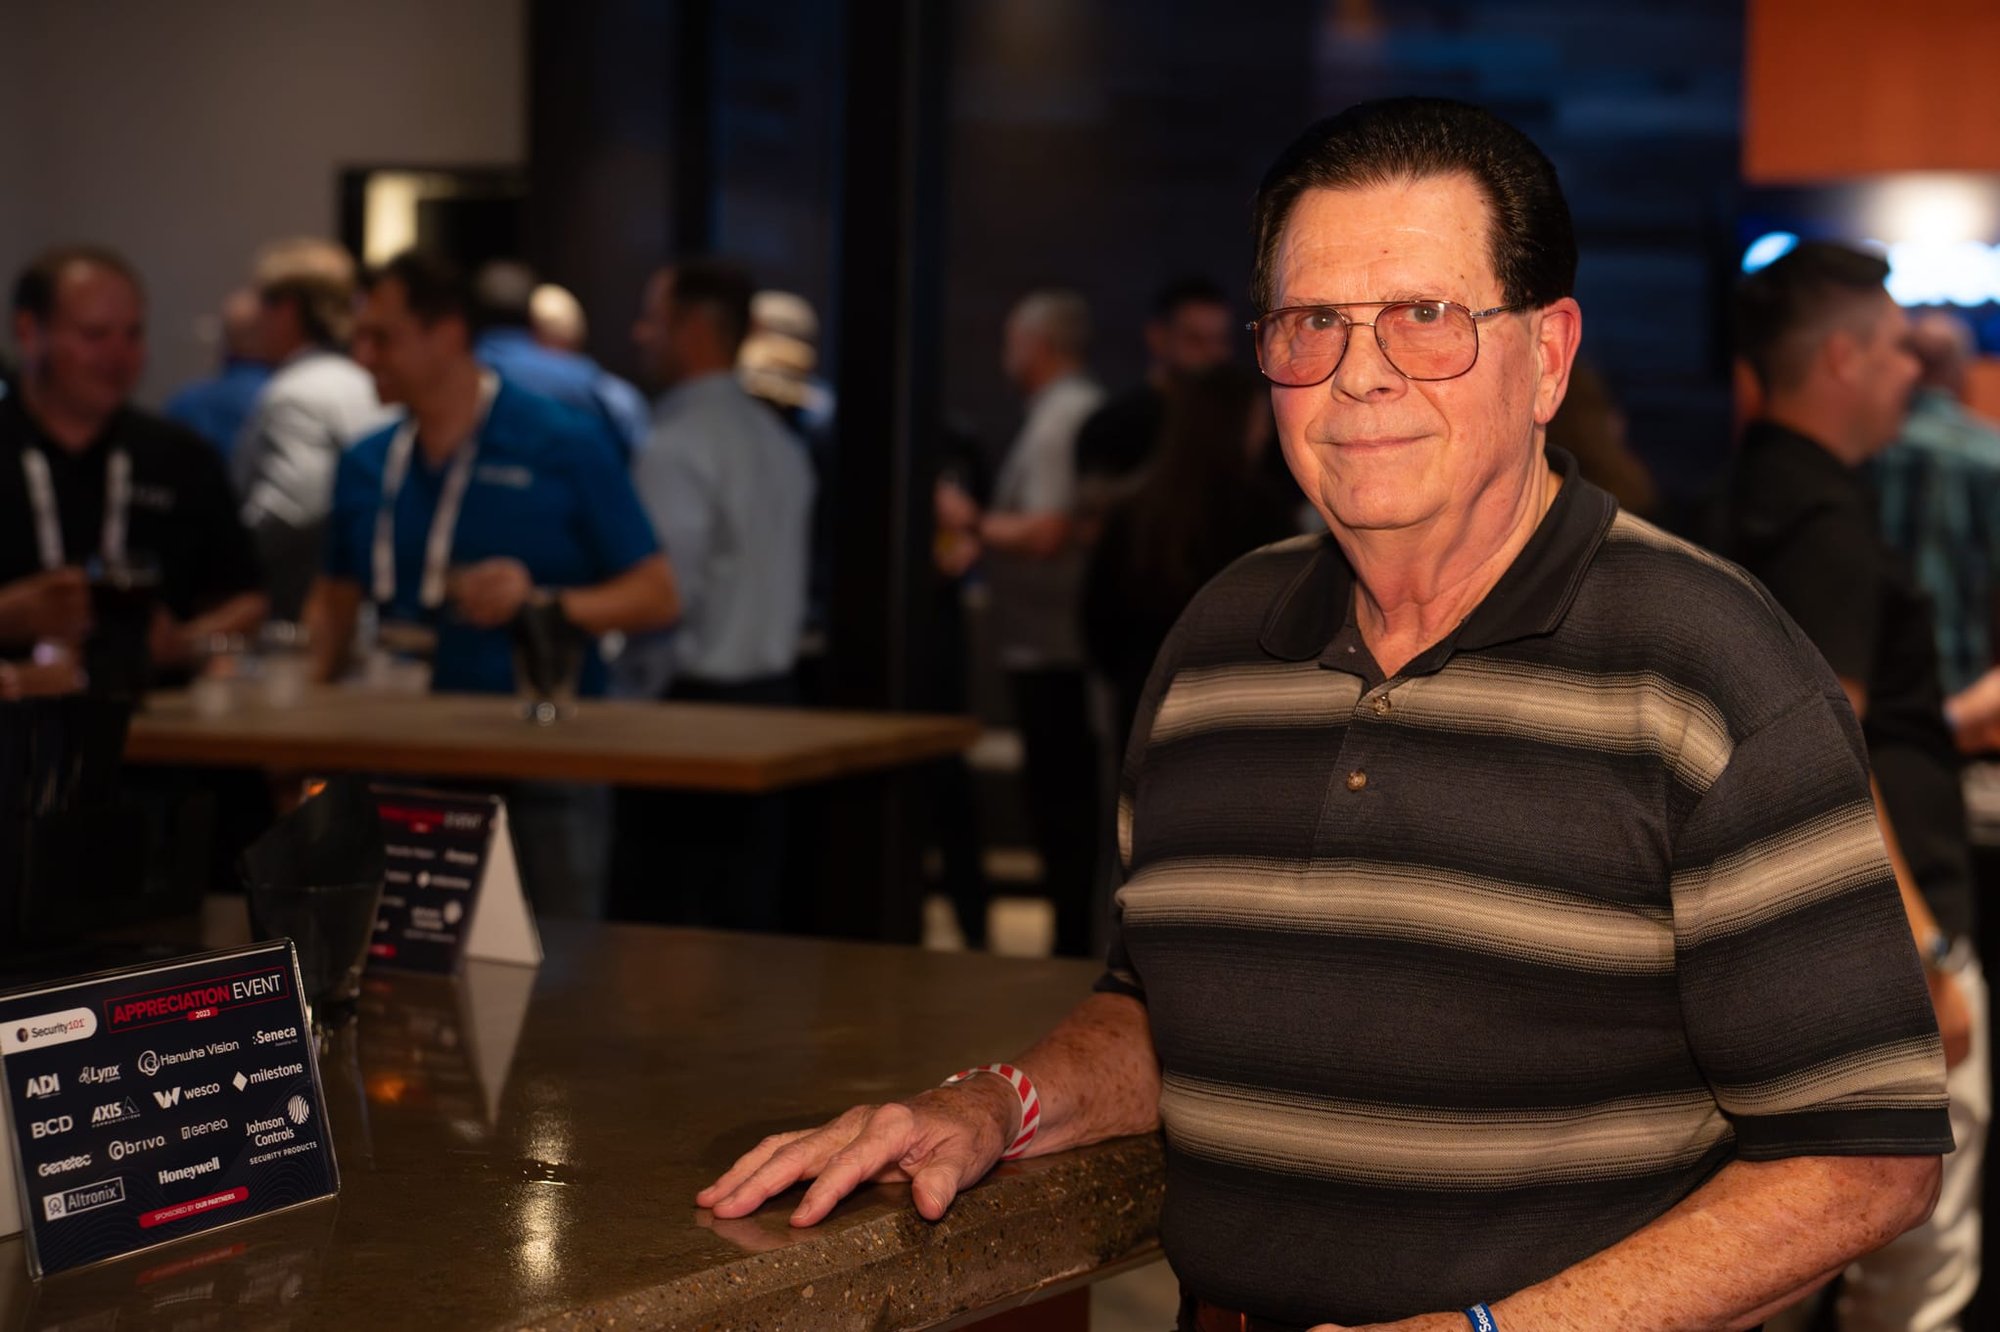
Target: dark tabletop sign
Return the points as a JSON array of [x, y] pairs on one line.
[[160, 1102], [451, 889]]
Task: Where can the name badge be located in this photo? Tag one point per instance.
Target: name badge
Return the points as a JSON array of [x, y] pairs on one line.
[[155, 1103], [504, 474], [452, 888]]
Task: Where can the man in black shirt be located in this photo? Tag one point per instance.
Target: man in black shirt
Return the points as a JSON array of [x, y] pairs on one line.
[[1191, 330], [1832, 354], [88, 481]]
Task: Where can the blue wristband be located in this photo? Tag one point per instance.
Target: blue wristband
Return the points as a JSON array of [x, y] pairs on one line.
[[1481, 1319]]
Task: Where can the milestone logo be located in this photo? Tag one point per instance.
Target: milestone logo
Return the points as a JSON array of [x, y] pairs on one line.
[[192, 1003], [240, 1081], [114, 1112], [89, 1198], [48, 1084]]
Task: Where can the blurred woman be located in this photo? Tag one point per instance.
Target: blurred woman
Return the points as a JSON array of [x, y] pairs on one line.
[[1205, 499]]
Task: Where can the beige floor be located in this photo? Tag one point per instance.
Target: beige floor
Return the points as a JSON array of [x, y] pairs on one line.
[[1141, 1301]]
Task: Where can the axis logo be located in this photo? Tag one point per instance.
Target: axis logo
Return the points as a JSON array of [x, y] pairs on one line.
[[114, 1112], [48, 1084]]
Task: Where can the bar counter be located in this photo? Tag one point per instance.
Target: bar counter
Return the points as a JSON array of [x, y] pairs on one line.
[[521, 1149]]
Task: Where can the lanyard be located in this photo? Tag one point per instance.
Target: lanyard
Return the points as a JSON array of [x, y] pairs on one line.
[[48, 519], [444, 519]]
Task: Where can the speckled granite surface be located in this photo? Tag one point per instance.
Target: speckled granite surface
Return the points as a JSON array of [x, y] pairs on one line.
[[554, 1189]]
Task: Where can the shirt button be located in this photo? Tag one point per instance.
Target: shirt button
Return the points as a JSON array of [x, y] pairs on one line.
[[1382, 706], [1356, 780]]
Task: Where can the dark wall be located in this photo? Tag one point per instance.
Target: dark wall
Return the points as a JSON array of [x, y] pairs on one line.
[[1111, 144]]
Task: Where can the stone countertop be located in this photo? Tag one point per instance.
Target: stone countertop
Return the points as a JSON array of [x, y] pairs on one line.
[[521, 1149]]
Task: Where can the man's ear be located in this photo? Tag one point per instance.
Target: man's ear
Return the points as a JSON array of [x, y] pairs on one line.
[[1840, 355], [27, 335], [1558, 331]]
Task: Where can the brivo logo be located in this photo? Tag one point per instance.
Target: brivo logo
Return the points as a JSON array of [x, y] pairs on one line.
[[48, 1084]]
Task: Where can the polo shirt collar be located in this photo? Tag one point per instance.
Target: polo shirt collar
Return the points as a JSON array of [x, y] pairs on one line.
[[1314, 616]]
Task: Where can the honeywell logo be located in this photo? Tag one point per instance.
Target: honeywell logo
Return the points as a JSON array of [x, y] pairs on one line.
[[196, 1171]]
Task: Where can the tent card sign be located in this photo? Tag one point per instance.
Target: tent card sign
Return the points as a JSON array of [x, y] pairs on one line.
[[159, 1102], [452, 889]]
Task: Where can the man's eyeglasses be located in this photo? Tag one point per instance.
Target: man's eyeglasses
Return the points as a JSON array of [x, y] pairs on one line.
[[1302, 345]]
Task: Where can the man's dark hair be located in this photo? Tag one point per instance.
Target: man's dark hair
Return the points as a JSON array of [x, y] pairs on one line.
[[721, 289], [35, 288], [1167, 302], [433, 286], [505, 291], [1533, 244], [1785, 310]]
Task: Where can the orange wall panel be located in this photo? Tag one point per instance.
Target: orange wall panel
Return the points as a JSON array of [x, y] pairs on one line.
[[1847, 87]]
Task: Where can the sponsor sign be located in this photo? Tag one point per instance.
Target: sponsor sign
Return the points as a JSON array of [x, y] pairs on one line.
[[147, 1105], [452, 889]]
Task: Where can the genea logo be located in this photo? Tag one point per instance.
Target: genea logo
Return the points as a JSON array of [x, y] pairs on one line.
[[48, 1084]]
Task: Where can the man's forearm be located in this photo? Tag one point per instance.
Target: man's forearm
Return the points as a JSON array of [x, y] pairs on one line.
[[1096, 1073], [642, 598], [1038, 536], [1751, 1241]]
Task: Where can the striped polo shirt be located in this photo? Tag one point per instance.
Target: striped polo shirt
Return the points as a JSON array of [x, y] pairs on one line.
[[1463, 975]]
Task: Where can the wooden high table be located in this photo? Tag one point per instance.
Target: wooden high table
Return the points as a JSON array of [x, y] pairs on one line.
[[690, 746], [522, 1149], [862, 881]]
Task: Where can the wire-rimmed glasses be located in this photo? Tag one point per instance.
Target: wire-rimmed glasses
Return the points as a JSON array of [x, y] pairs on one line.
[[1299, 346]]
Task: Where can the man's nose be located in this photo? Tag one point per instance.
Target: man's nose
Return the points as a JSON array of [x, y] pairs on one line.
[[1364, 369]]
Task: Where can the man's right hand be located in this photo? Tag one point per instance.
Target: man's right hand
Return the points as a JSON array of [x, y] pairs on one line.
[[52, 606], [941, 1142], [1954, 1016]]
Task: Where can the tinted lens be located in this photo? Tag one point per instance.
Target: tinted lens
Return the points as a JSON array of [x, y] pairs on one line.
[[1300, 347], [1428, 339]]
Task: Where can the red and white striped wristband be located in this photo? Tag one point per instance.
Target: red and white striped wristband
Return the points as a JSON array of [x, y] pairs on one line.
[[1031, 1103]]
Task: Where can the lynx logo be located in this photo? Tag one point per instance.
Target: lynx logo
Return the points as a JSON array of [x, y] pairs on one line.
[[98, 1076], [114, 1112], [48, 1084], [48, 1128], [169, 1098], [90, 1197]]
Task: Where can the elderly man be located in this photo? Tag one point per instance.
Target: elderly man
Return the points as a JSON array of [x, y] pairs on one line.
[[1507, 940]]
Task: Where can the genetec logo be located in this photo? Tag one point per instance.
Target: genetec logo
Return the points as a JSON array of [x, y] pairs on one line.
[[191, 1003]]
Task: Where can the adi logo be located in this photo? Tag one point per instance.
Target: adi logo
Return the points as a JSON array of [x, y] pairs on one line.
[[48, 1084]]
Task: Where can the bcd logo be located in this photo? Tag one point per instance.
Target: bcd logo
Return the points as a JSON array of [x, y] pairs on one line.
[[48, 1084], [169, 1098], [48, 1128]]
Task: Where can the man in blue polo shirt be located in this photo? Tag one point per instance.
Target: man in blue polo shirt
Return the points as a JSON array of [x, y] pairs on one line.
[[483, 500]]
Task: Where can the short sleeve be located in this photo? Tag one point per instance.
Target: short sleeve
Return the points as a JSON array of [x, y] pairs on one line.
[[225, 563], [616, 528], [1802, 995], [1120, 976], [1826, 577], [355, 495]]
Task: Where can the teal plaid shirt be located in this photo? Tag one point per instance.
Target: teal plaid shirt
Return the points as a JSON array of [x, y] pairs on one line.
[[1940, 491]]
